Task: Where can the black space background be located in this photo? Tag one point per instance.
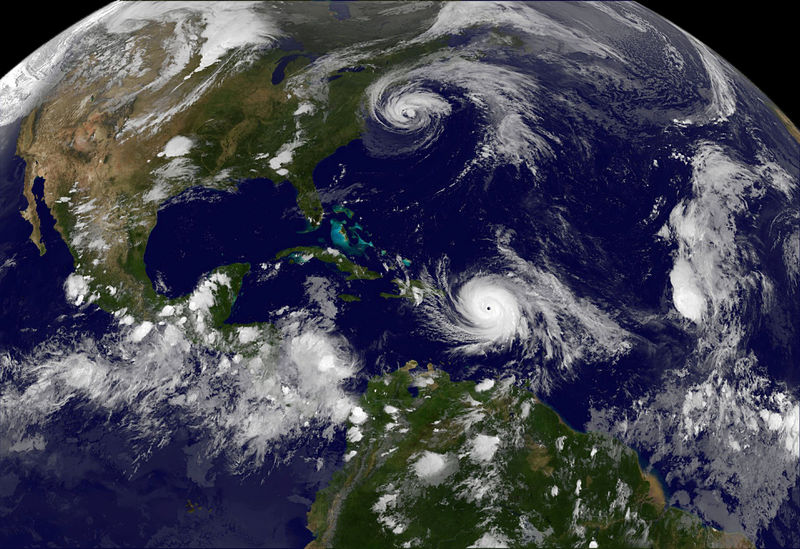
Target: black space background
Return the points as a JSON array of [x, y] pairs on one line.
[[758, 38]]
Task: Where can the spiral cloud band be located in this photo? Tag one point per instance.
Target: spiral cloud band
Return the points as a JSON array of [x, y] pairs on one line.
[[523, 311], [489, 312], [410, 107], [410, 114]]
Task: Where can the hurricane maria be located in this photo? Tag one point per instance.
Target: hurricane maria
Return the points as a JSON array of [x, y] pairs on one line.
[[347, 274]]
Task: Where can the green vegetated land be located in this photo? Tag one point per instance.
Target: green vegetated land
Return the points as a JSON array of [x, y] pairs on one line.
[[459, 464], [236, 127], [209, 307], [302, 254]]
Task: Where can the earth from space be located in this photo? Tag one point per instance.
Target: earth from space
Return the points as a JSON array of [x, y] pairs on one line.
[[395, 274]]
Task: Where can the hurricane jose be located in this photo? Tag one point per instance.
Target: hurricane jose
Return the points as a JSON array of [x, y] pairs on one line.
[[409, 110], [414, 104], [293, 272]]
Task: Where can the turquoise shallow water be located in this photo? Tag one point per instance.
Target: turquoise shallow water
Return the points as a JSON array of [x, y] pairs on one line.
[[588, 214]]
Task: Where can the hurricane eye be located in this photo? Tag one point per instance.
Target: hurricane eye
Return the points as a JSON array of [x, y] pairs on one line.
[[407, 116], [485, 313]]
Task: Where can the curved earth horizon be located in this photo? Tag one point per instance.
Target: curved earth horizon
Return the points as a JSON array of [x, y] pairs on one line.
[[480, 274]]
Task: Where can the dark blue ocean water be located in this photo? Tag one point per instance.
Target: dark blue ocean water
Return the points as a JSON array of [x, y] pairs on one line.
[[32, 304], [202, 228], [83, 488], [83, 491], [412, 207], [421, 207]]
